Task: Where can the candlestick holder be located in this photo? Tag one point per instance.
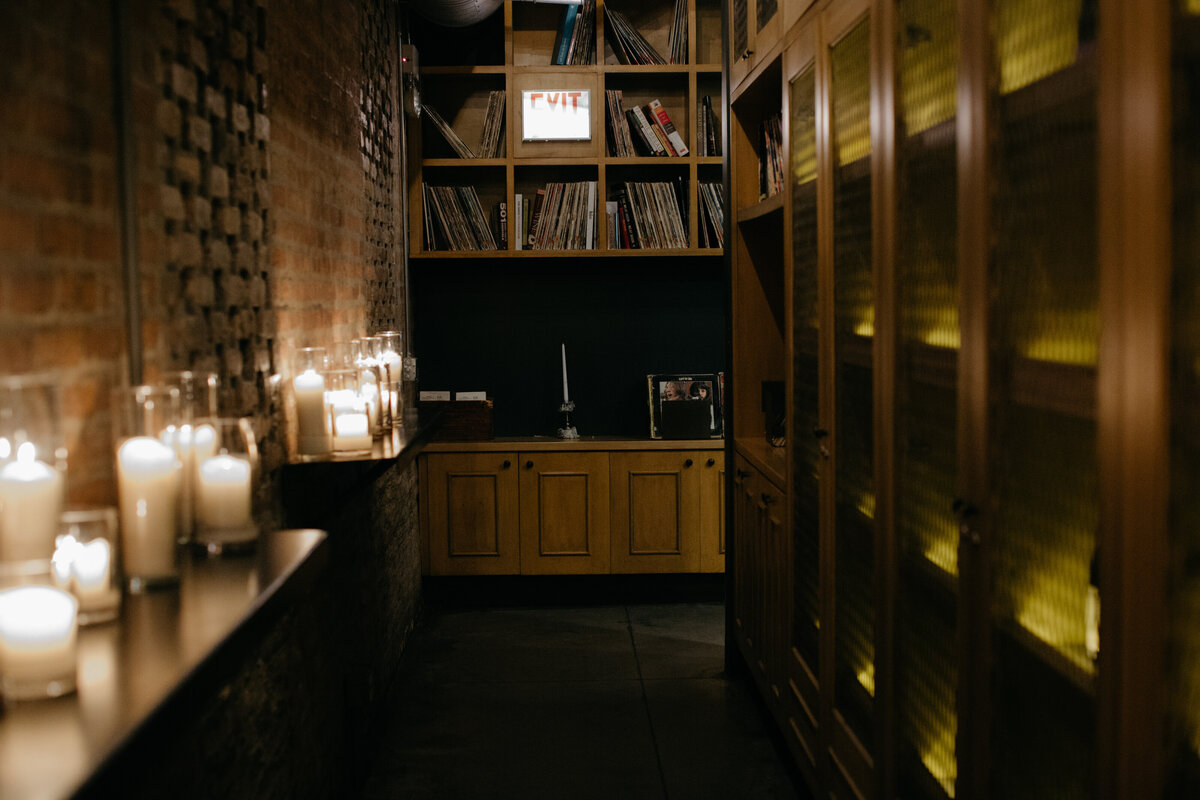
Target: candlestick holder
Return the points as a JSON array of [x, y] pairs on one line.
[[567, 431]]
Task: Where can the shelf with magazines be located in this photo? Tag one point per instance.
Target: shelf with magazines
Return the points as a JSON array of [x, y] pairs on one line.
[[660, 58]]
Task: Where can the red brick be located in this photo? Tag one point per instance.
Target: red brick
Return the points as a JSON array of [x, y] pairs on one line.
[[18, 232], [59, 347], [61, 237], [30, 292], [79, 292], [37, 176]]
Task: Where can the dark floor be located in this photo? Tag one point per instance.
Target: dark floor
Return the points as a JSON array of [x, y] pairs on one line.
[[616, 701]]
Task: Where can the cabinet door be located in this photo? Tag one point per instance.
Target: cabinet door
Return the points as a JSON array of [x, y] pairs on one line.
[[656, 511], [564, 513], [712, 512], [472, 511]]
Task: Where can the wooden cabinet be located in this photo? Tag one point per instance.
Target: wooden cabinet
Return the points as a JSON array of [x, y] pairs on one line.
[[567, 508], [472, 511], [666, 511], [564, 513]]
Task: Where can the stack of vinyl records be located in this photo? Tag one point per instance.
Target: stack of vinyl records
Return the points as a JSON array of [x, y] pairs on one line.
[[619, 141], [708, 134], [576, 41], [650, 215], [677, 39], [491, 142], [712, 215], [629, 45], [454, 219], [446, 131], [563, 217], [770, 164]]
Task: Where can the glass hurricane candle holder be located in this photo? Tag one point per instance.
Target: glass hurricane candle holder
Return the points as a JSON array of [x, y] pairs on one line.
[[38, 636], [308, 389], [349, 422], [148, 480], [391, 348], [199, 397], [33, 463], [225, 480], [369, 383], [86, 562]]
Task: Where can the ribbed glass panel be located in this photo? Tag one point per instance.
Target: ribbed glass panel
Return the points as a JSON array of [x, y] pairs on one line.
[[1183, 734], [766, 9], [806, 523], [854, 318], [926, 412], [1044, 337], [741, 28]]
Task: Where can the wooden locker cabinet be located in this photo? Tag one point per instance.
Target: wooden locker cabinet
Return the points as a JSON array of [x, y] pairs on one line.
[[472, 513], [666, 509], [564, 513]]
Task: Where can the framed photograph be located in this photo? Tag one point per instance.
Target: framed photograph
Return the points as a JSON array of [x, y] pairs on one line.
[[686, 406]]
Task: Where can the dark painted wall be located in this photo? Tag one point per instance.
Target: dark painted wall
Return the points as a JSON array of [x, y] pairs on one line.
[[497, 326]]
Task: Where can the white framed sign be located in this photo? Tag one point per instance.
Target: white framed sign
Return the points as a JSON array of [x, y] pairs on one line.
[[556, 115]]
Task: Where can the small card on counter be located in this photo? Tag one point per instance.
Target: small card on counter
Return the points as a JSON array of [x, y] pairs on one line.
[[470, 396], [434, 397]]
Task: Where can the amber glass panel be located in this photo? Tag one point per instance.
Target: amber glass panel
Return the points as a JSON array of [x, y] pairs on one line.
[[741, 28], [1184, 582], [806, 552], [927, 282], [1044, 337], [854, 317], [765, 10]]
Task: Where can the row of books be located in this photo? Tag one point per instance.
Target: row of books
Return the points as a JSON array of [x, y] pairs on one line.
[[454, 219], [708, 132], [648, 215], [711, 206], [559, 216], [771, 172], [491, 142], [576, 41], [641, 130]]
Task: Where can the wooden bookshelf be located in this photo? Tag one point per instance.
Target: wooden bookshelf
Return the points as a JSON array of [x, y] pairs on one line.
[[525, 34]]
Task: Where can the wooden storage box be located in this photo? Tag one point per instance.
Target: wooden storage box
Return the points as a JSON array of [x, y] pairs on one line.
[[462, 420]]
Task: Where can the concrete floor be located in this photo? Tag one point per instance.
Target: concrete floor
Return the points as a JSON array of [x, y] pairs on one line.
[[618, 701]]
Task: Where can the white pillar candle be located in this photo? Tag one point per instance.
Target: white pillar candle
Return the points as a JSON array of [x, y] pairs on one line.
[[566, 395], [31, 495], [223, 496], [148, 488], [352, 431], [37, 638], [392, 365], [309, 387], [343, 401]]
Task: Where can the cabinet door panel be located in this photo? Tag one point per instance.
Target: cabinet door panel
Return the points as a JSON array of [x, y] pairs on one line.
[[564, 513], [712, 513], [472, 513], [656, 512]]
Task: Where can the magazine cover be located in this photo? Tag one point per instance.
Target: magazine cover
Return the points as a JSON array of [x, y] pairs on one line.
[[686, 406]]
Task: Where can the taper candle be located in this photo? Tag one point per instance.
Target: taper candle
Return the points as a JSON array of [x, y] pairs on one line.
[[566, 396]]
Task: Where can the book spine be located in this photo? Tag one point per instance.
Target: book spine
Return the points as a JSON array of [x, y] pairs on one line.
[[502, 239], [563, 43], [668, 127], [535, 216], [652, 140], [518, 222]]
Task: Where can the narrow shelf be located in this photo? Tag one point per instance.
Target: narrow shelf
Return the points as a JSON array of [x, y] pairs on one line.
[[1068, 389], [465, 70], [1054, 93], [463, 162], [598, 253], [761, 209], [1051, 656], [655, 161], [930, 574], [552, 443], [769, 460], [649, 69]]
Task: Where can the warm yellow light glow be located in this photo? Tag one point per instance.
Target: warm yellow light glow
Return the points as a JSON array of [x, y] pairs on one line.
[[1061, 351], [943, 555], [1044, 618], [866, 678], [866, 328], [1035, 39], [938, 757], [942, 336], [1191, 7], [866, 505]]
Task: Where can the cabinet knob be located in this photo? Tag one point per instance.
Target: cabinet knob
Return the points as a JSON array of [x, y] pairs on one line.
[[528, 465], [687, 463], [820, 433], [767, 499], [507, 463], [743, 474], [711, 462]]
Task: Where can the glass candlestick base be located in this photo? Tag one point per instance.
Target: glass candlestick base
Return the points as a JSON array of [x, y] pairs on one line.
[[567, 431]]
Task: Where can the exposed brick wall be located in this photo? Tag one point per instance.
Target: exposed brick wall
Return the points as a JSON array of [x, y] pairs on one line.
[[61, 288]]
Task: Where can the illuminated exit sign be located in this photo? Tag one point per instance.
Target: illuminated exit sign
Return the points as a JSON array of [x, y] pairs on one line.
[[556, 115]]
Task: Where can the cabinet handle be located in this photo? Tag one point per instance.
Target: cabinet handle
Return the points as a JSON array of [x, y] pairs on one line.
[[687, 463], [528, 465], [507, 463], [743, 474], [711, 462], [767, 499], [820, 433]]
